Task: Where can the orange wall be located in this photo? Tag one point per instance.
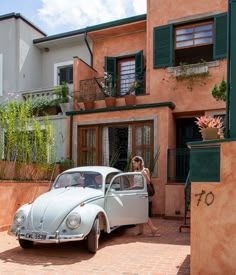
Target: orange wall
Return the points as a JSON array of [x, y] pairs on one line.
[[213, 226], [161, 84], [14, 194], [165, 130], [113, 46]]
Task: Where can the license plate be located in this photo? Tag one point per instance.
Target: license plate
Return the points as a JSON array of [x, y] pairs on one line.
[[36, 235]]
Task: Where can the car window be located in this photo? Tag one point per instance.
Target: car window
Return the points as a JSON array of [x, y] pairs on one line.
[[128, 182], [109, 178], [79, 179]]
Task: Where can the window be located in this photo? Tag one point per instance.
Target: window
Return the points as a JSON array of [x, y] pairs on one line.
[[192, 43], [124, 71], [87, 145], [194, 35], [65, 74], [126, 74], [113, 145]]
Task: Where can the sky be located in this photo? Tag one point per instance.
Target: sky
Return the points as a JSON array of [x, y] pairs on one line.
[[59, 16]]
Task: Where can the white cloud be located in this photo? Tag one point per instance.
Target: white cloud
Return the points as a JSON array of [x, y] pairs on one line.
[[60, 14]]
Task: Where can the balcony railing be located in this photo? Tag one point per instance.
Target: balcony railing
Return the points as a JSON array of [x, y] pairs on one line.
[[91, 89], [38, 93], [178, 164], [45, 92]]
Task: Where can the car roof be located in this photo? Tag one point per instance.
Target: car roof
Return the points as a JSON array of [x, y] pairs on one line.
[[99, 169]]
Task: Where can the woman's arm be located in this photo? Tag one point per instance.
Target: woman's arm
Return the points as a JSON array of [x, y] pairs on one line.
[[146, 173]]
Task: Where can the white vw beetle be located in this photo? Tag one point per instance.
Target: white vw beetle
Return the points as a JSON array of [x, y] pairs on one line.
[[81, 203]]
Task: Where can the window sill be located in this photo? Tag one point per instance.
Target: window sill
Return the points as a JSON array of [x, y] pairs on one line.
[[196, 69]]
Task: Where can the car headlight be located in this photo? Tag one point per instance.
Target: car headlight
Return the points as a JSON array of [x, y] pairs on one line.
[[19, 218], [73, 221]]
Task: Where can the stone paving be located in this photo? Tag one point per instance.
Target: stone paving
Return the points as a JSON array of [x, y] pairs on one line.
[[121, 252]]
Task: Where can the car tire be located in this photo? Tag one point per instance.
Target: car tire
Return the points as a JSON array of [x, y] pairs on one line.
[[93, 237], [25, 243]]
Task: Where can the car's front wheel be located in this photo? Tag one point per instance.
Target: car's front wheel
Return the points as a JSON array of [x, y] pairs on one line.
[[93, 237], [25, 243]]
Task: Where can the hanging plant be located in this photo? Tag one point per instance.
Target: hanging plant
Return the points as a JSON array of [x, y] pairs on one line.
[[219, 91]]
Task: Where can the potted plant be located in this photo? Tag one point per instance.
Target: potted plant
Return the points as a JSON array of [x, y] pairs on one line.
[[63, 96], [43, 105], [108, 90], [130, 96], [210, 127]]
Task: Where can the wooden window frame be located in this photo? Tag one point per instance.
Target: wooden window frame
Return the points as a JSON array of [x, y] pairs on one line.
[[98, 135], [211, 22], [119, 62]]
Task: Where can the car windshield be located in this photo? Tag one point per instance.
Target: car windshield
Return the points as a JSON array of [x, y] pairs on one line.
[[79, 179]]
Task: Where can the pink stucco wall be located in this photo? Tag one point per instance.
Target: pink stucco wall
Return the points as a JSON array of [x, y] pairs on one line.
[[13, 194], [213, 220]]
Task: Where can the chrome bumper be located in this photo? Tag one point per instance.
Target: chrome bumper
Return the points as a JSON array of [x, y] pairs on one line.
[[53, 238]]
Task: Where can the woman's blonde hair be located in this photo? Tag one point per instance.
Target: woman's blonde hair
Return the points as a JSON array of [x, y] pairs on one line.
[[140, 160]]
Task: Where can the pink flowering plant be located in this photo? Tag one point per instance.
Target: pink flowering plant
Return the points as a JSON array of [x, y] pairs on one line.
[[210, 122]]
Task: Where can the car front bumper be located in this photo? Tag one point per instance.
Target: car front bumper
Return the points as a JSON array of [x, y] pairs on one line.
[[50, 238]]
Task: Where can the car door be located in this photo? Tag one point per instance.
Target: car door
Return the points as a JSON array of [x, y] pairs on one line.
[[127, 202]]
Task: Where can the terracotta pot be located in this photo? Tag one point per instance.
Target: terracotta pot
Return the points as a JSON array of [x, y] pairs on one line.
[[130, 99], [50, 110], [89, 104], [209, 133], [110, 101]]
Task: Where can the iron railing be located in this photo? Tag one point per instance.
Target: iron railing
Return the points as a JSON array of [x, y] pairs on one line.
[[177, 164], [187, 201], [91, 88]]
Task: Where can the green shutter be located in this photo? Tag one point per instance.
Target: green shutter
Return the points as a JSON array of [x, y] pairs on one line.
[[139, 63], [110, 67], [220, 36], [163, 46], [139, 74]]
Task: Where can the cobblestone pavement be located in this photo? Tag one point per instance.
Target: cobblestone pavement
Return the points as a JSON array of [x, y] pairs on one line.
[[121, 252]]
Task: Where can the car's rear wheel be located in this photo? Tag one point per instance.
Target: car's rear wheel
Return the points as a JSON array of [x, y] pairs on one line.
[[25, 243], [93, 237]]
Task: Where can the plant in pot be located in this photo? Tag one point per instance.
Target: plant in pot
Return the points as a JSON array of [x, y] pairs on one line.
[[130, 96], [108, 89], [63, 96], [43, 105], [210, 127]]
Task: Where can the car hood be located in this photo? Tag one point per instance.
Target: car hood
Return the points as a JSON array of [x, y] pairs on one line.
[[49, 210]]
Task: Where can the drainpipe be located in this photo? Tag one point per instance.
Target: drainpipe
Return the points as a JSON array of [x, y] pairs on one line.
[[71, 136], [231, 70], [90, 51]]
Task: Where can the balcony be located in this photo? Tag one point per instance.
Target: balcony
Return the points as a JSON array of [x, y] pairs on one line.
[[91, 88]]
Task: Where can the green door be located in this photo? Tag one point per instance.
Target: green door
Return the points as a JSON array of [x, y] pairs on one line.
[[186, 131]]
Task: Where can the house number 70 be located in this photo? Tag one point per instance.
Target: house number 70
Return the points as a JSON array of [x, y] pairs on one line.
[[209, 197]]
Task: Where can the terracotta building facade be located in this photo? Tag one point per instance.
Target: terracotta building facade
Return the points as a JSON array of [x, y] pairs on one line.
[[171, 58]]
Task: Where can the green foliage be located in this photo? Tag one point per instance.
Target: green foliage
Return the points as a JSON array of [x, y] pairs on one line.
[[219, 92], [40, 103], [154, 162], [62, 92], [191, 74], [128, 164], [106, 86], [66, 164], [23, 139]]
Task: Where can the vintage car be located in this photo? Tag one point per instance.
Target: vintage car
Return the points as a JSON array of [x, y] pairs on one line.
[[82, 203]]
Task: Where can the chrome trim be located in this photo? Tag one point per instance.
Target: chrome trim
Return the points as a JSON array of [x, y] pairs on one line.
[[57, 238]]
